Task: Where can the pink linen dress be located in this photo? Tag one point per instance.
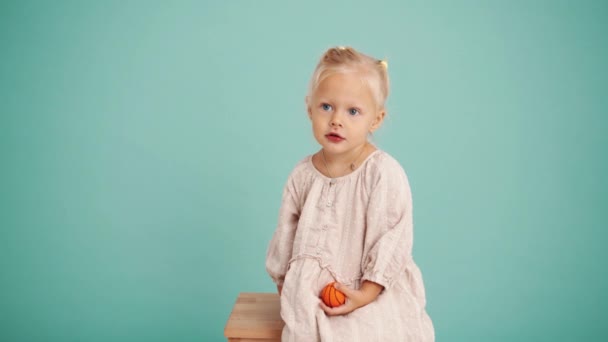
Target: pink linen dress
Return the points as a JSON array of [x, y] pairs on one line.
[[354, 228]]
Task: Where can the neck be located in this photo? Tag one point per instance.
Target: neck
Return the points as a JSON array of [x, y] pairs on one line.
[[339, 162]]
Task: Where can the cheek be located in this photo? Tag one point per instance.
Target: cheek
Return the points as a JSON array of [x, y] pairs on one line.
[[315, 127], [316, 123]]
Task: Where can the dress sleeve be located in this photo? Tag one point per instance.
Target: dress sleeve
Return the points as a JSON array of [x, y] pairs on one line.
[[389, 235], [281, 245]]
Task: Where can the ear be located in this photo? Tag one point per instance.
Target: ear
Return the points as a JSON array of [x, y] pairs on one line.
[[308, 110], [378, 120]]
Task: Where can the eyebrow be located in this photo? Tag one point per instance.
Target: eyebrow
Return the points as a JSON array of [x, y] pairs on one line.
[[350, 105]]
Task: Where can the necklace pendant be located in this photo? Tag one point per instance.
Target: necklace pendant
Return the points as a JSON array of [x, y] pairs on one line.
[[352, 167]]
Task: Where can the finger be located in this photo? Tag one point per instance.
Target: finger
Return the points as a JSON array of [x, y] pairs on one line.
[[340, 310], [348, 292], [325, 308]]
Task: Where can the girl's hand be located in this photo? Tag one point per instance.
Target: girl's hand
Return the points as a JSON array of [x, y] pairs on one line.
[[354, 298]]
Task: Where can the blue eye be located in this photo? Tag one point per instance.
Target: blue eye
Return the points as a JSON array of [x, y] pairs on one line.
[[353, 111], [326, 107]]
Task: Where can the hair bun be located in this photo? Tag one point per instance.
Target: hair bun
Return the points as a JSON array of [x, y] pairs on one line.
[[338, 54]]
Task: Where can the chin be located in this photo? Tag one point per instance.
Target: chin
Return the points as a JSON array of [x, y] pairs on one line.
[[336, 149]]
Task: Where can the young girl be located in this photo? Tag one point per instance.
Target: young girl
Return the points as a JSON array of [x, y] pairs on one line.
[[346, 216]]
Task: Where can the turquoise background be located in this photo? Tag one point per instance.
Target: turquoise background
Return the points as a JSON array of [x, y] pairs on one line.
[[145, 146]]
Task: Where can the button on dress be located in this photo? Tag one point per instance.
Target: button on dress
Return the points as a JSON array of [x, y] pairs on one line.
[[357, 227]]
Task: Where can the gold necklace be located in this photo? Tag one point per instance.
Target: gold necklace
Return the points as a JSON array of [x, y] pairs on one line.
[[352, 165]]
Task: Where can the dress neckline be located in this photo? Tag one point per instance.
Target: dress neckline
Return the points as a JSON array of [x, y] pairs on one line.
[[338, 179]]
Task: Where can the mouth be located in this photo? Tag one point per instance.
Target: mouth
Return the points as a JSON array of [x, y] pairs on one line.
[[335, 137]]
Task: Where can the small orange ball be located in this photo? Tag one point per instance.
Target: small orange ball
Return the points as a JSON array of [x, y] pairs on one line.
[[332, 297]]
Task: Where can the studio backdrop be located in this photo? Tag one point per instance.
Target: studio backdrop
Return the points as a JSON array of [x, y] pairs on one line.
[[145, 144]]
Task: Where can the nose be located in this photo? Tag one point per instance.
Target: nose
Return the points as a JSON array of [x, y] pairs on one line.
[[335, 121]]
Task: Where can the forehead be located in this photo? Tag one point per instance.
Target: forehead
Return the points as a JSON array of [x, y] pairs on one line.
[[345, 87]]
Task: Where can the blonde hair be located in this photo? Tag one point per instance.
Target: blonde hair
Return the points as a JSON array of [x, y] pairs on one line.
[[346, 59]]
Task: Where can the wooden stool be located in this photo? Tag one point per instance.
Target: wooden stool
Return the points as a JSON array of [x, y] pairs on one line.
[[255, 317]]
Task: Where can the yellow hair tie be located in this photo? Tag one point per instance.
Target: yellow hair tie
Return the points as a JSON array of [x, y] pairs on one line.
[[384, 64]]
